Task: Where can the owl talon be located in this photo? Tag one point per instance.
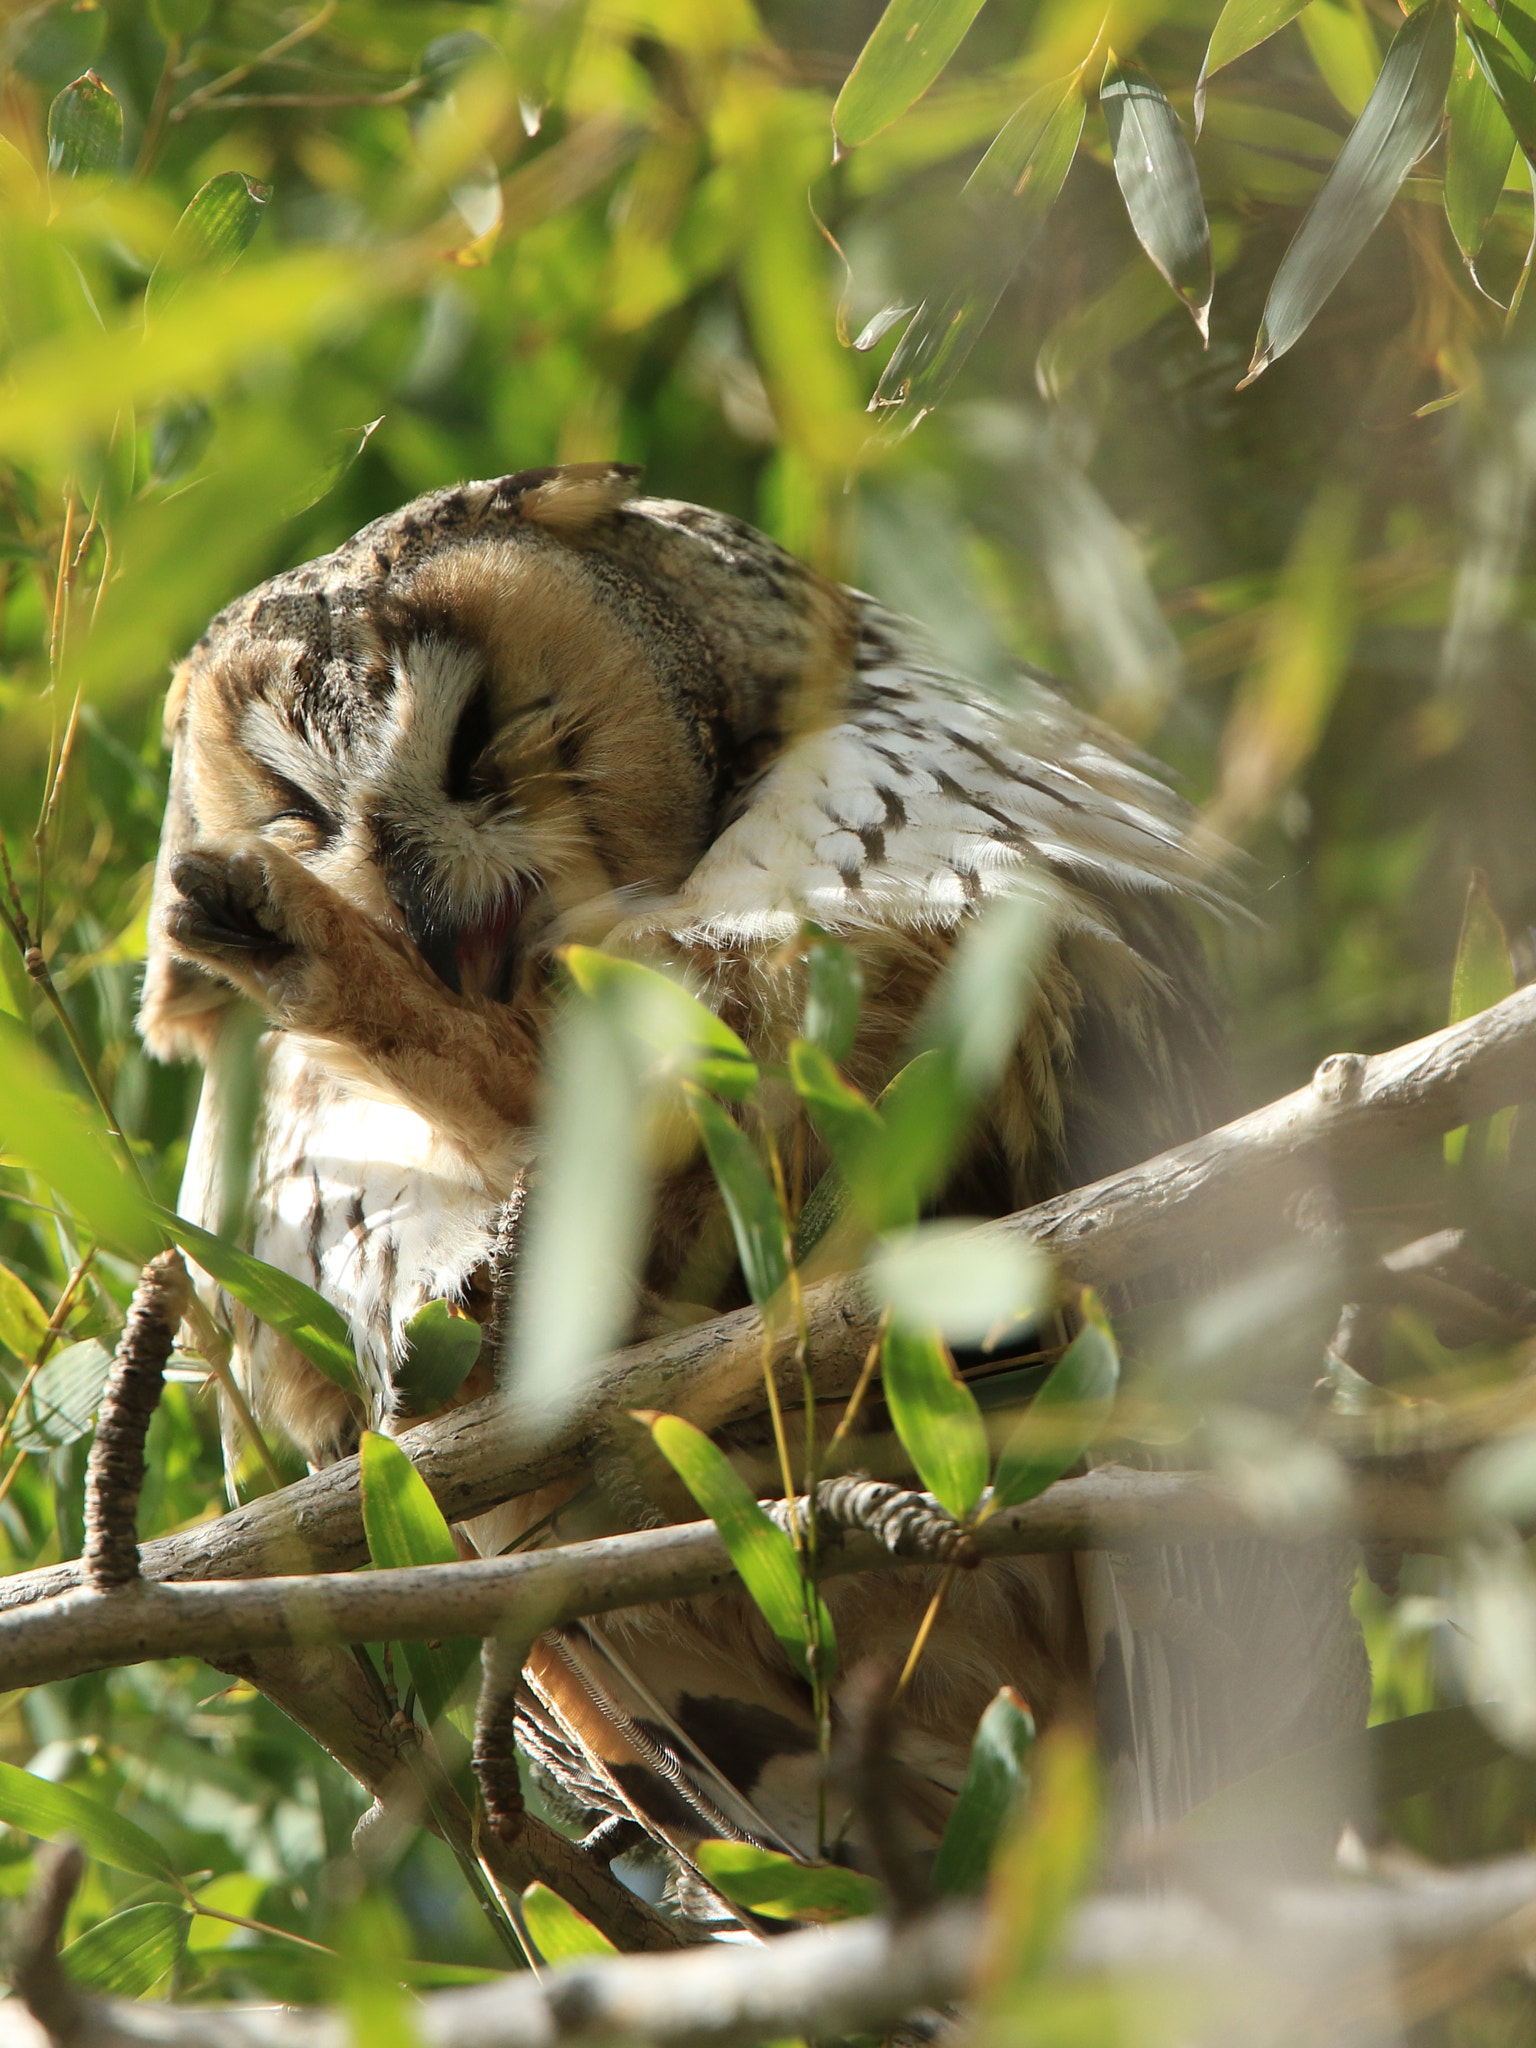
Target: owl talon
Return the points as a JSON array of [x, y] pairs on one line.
[[221, 911]]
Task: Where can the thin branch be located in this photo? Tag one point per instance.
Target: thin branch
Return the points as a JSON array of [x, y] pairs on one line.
[[280, 48]]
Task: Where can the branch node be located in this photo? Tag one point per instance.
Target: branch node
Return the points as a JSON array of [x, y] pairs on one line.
[[115, 1473], [1341, 1076], [907, 1524]]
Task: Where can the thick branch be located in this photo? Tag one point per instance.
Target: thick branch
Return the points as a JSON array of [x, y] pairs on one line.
[[1223, 1193], [1110, 1509]]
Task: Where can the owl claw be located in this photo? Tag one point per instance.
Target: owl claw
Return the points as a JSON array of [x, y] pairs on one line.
[[225, 909]]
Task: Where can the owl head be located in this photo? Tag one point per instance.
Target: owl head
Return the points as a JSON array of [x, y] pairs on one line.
[[494, 718]]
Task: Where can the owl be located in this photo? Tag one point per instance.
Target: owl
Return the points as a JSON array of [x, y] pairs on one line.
[[545, 709]]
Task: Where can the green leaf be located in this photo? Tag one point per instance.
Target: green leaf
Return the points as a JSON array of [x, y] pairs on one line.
[[1483, 975], [404, 1526], [834, 989], [969, 1285], [1012, 191], [23, 1319], [441, 1352], [1506, 78], [85, 129], [751, 1202], [1351, 1777], [1478, 151], [850, 1127], [560, 1933], [1344, 48], [210, 238], [305, 1318], [912, 42], [1402, 119], [1156, 173], [1062, 1421], [127, 1955], [779, 1888], [759, 1549], [1041, 1869], [175, 20], [692, 1041], [62, 1402], [995, 1779], [1240, 27], [936, 1417], [981, 999], [58, 1813]]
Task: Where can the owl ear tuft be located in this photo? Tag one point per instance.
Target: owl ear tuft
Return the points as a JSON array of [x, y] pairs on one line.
[[565, 500]]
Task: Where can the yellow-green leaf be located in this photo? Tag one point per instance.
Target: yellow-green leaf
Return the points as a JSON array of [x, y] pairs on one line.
[[1063, 1419], [911, 43], [57, 1813], [1478, 150], [305, 1318], [1483, 975], [1042, 1867], [441, 1349], [779, 1888], [995, 1778], [210, 237], [936, 1417], [560, 1933], [691, 1040], [404, 1526], [127, 1954], [1240, 27], [23, 1319]]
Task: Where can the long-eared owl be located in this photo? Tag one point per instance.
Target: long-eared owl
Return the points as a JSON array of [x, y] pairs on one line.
[[543, 709]]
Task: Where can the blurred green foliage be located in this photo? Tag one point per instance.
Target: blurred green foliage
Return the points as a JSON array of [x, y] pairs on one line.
[[268, 271]]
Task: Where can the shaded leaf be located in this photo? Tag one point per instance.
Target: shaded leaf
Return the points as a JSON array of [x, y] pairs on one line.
[[850, 1127], [305, 1318], [911, 43], [1241, 26], [759, 1549], [23, 1319], [441, 1352], [995, 1777], [936, 1417], [85, 129], [966, 1284], [751, 1202], [560, 1933], [1042, 1866], [1401, 120], [1478, 151], [62, 1402], [404, 1526], [1066, 1415], [127, 1955], [766, 1882], [691, 1039], [178, 19], [1156, 173], [211, 236], [57, 1813], [834, 983]]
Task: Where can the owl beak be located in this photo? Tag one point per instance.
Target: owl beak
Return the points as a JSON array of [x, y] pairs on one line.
[[471, 957], [435, 937]]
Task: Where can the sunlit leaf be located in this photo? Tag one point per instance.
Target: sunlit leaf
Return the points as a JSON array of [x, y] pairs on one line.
[[58, 1813], [560, 1933], [969, 1285], [85, 129], [936, 1417], [1062, 1421], [23, 1319], [1506, 77], [1483, 975], [211, 236], [1156, 173], [1343, 46], [766, 1882], [850, 1127], [127, 1954], [305, 1318], [911, 43], [62, 1401], [237, 1893], [441, 1350], [995, 1778], [690, 1039], [404, 1526], [834, 987], [751, 1201], [1241, 26], [1401, 120], [759, 1549], [1478, 151]]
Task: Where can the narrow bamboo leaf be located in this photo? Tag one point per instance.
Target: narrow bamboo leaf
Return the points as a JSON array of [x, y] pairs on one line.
[[307, 1319], [441, 1350], [23, 1319], [1043, 1864], [936, 1417], [1240, 27], [1483, 975], [211, 236], [850, 1127], [126, 1955], [1344, 48], [690, 1038], [1401, 120], [911, 43], [834, 987], [1066, 1415], [1013, 189], [57, 1813], [759, 1549], [85, 129], [560, 1933], [62, 1401], [1478, 151], [1156, 173], [967, 1285], [1507, 80], [995, 1777], [404, 1526], [778, 1887], [762, 1240]]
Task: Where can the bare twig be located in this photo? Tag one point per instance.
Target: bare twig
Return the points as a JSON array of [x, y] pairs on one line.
[[114, 1477]]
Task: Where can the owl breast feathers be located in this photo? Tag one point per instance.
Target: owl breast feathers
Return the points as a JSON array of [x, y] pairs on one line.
[[521, 713]]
